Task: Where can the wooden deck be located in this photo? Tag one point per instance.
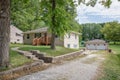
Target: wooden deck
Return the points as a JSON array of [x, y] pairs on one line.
[[42, 41]]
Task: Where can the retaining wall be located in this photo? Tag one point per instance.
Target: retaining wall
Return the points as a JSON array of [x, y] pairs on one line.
[[23, 70], [66, 56], [56, 59]]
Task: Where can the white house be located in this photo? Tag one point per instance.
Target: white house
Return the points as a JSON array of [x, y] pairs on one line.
[[70, 40], [16, 35], [96, 45]]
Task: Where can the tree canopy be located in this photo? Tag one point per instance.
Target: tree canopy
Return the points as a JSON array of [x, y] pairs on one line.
[[25, 14], [111, 31], [63, 14], [91, 31]]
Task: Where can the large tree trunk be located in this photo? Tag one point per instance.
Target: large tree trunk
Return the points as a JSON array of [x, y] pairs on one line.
[[4, 32], [53, 25]]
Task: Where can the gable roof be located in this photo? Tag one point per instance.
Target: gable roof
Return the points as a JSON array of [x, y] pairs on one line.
[[75, 32], [96, 41], [13, 28], [44, 29]]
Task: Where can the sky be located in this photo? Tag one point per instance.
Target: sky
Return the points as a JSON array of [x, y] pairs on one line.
[[98, 13]]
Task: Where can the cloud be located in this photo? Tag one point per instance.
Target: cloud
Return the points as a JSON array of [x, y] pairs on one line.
[[98, 13]]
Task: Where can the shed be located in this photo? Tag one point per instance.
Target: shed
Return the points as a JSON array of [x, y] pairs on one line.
[[96, 45]]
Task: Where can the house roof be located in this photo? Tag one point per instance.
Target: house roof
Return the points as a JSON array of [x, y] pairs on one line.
[[13, 28], [96, 41], [44, 29], [75, 32]]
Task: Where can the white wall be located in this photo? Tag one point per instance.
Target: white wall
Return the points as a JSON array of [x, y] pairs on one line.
[[16, 35], [70, 41]]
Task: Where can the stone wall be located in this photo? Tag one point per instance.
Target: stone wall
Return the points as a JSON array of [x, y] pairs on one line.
[[23, 70], [42, 56], [56, 59], [66, 56]]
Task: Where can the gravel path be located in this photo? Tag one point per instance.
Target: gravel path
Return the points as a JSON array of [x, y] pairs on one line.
[[78, 69]]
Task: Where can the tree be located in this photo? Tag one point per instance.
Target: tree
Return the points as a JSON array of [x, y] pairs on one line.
[[111, 31], [4, 32], [91, 31], [58, 15]]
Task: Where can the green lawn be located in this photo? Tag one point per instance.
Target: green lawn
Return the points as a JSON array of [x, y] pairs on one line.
[[17, 59], [46, 49], [112, 64]]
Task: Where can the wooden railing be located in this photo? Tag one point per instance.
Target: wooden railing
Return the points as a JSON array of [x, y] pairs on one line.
[[42, 41]]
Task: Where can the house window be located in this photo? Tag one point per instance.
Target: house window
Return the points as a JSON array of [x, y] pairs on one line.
[[68, 45], [28, 36], [18, 34], [18, 39], [37, 35]]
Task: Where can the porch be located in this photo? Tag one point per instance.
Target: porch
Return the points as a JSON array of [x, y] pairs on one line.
[[41, 39]]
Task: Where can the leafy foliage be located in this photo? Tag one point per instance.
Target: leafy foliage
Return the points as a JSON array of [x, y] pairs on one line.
[[111, 31], [92, 3], [59, 15], [91, 31], [25, 14], [64, 14]]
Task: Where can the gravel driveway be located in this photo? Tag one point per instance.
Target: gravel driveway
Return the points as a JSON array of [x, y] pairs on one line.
[[84, 68]]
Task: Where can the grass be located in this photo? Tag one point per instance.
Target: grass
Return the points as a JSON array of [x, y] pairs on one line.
[[111, 67], [46, 49], [17, 59]]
